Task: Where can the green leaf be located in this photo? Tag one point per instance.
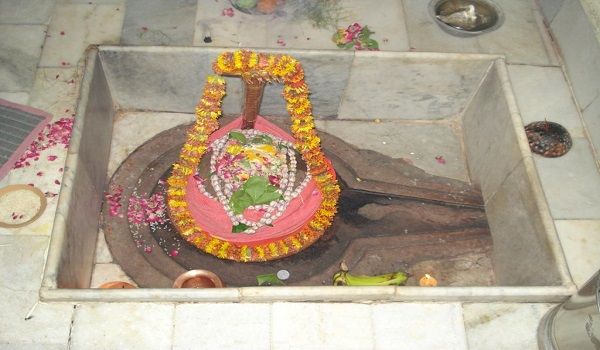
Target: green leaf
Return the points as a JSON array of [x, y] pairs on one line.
[[239, 228], [264, 139], [372, 44], [269, 280], [238, 136], [240, 200], [269, 196], [348, 45], [255, 186]]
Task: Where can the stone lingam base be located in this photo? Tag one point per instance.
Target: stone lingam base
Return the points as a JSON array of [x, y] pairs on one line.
[[399, 218]]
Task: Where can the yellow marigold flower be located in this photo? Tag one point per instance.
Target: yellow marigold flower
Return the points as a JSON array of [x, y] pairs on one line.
[[234, 149], [273, 249], [268, 149]]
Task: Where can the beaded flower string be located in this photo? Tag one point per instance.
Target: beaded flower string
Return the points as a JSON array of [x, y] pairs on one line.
[[252, 66]]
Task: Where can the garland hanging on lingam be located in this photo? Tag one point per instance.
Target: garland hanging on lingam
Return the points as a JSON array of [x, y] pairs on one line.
[[257, 203]]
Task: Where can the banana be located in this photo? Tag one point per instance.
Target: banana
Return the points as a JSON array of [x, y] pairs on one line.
[[343, 278]]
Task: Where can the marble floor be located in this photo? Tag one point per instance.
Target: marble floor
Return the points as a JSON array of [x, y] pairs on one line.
[[42, 43]]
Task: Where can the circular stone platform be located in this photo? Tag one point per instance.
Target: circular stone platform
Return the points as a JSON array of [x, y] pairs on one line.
[[384, 224]]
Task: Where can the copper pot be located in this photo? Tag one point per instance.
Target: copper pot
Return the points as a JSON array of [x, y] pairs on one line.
[[198, 279]]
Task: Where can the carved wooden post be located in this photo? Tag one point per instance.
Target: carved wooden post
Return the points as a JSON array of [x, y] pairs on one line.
[[253, 91]]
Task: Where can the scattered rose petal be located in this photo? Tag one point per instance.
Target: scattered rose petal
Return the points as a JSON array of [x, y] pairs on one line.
[[174, 252], [52, 158], [62, 32], [148, 249], [440, 159], [57, 133], [281, 42], [57, 182], [39, 173], [227, 12]]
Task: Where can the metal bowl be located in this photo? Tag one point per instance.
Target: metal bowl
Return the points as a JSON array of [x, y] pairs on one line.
[[466, 18], [198, 279]]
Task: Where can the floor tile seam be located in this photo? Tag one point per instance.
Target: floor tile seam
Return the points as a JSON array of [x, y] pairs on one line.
[[508, 175], [544, 32], [344, 93], [563, 67]]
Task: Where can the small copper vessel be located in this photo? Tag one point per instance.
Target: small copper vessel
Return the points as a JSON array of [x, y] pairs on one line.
[[198, 279]]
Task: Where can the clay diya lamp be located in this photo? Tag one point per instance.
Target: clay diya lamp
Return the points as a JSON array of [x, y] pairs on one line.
[[198, 279]]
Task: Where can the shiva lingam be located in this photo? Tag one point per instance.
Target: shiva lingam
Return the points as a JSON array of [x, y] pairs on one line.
[[250, 206]]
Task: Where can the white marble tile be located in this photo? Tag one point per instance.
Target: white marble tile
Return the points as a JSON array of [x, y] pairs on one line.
[[156, 22], [123, 326], [298, 32], [503, 326], [388, 25], [321, 326], [543, 94], [418, 326], [580, 240], [239, 30], [47, 327], [26, 11], [518, 38], [591, 116], [571, 182], [75, 26], [131, 130], [22, 262], [580, 50], [222, 326], [55, 90], [16, 97], [417, 142], [103, 273], [20, 48], [102, 255], [409, 87], [550, 8]]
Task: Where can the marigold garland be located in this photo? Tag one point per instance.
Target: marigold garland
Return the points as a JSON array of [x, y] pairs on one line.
[[253, 67]]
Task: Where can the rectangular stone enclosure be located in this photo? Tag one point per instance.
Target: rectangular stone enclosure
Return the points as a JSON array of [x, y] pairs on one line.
[[353, 93]]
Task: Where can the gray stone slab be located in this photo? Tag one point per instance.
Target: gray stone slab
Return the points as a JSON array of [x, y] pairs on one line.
[[20, 49], [326, 74], [550, 8], [519, 38], [483, 322], [571, 182], [580, 50], [156, 22], [26, 11], [47, 328], [26, 255], [522, 252], [542, 93], [415, 142], [123, 326], [591, 115], [490, 140], [403, 87], [173, 80]]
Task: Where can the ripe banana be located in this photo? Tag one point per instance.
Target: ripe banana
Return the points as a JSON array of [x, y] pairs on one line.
[[343, 278]]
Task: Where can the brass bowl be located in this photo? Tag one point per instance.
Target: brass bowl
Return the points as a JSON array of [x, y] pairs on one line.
[[466, 18], [198, 279]]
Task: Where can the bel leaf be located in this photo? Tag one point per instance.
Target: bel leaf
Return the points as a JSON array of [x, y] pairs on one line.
[[238, 136], [255, 186], [239, 228], [240, 200]]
